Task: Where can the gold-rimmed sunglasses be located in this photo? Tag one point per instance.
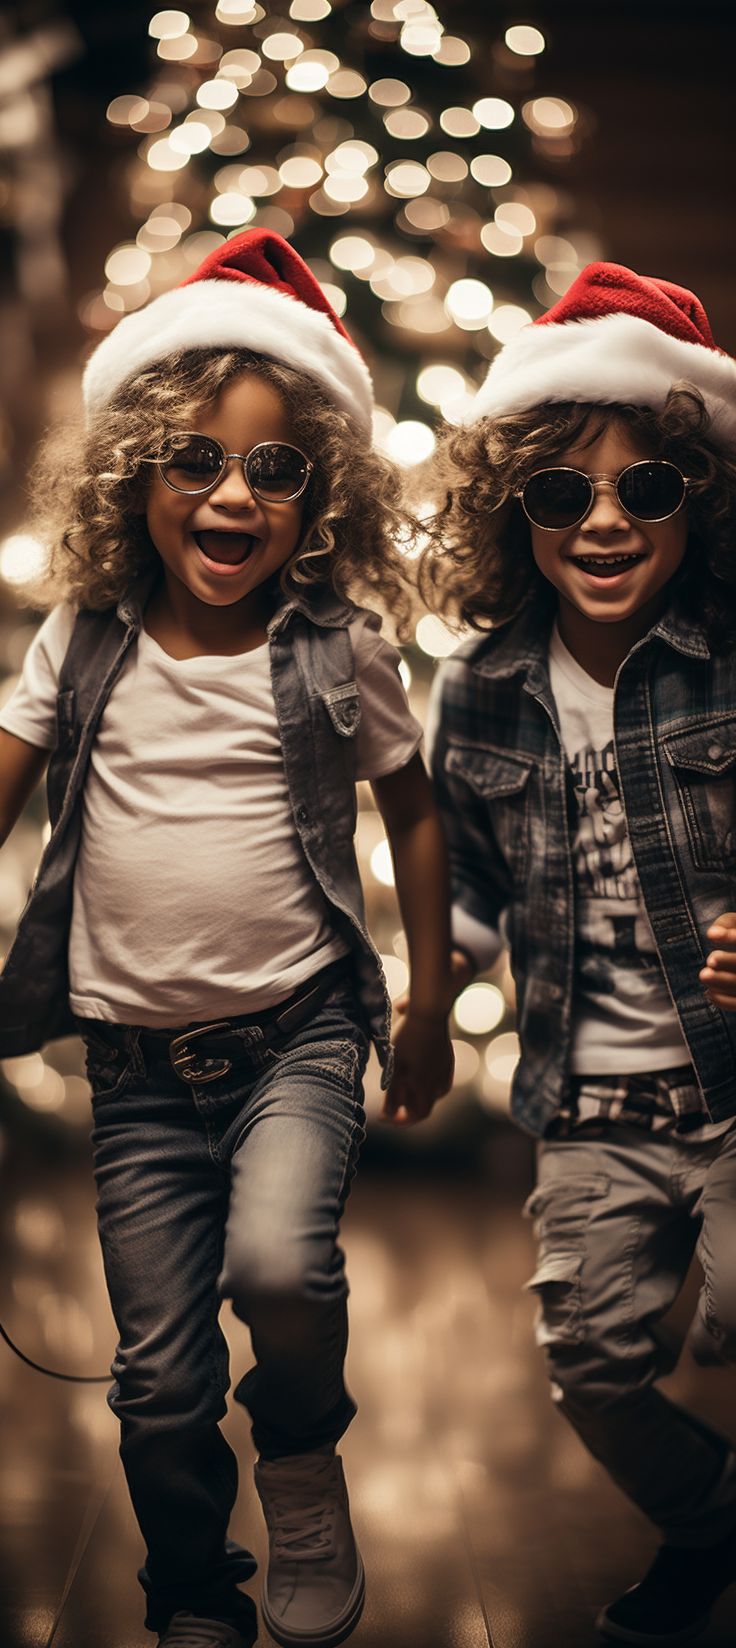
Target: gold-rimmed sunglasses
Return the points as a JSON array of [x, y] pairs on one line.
[[274, 471]]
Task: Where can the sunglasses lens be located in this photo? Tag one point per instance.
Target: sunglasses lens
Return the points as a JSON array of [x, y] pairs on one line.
[[193, 464], [651, 491], [556, 498], [276, 471]]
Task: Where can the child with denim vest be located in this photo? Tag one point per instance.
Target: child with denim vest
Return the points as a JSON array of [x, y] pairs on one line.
[[208, 694], [585, 761]]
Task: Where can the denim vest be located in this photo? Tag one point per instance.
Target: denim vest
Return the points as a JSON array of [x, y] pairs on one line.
[[318, 710], [504, 790]]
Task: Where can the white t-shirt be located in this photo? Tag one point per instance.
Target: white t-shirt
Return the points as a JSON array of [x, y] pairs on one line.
[[193, 898], [624, 1018]]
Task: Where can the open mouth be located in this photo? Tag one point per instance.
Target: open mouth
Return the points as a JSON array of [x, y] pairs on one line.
[[606, 567], [225, 548]]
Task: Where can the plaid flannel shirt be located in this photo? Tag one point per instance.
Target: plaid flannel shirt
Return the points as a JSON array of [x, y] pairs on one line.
[[504, 789]]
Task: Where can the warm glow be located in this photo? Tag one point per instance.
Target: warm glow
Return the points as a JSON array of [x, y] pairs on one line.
[[127, 265], [513, 215], [389, 93], [459, 122], [550, 116], [501, 242], [191, 138], [452, 52], [479, 1009], [307, 77], [490, 170], [162, 158], [217, 94], [436, 384], [300, 172], [407, 178], [447, 166], [335, 296], [469, 302], [493, 112], [382, 864], [346, 83], [524, 40], [345, 186], [309, 11], [397, 975], [507, 320], [410, 441], [434, 638], [168, 25], [232, 209], [281, 47], [406, 124], [21, 557], [352, 252]]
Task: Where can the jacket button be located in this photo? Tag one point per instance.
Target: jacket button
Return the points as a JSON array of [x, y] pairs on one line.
[[714, 752], [302, 816]]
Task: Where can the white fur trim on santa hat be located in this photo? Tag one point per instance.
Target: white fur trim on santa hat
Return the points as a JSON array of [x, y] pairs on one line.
[[612, 358], [230, 314]]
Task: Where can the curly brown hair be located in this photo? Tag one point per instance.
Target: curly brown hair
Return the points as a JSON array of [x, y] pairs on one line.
[[478, 566], [92, 482]]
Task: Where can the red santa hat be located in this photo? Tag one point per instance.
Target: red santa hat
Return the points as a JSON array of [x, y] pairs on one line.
[[253, 292], [615, 336]]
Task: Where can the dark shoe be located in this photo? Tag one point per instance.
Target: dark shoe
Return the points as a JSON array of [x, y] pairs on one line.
[[673, 1602], [187, 1631], [314, 1587]]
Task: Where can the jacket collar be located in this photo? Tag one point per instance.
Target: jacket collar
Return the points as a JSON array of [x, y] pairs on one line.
[[521, 646]]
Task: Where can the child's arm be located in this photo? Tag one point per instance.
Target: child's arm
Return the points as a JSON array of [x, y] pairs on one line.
[[422, 1050], [21, 767], [719, 972]]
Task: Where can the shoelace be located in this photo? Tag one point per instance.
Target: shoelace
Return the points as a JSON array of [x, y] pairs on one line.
[[184, 1631], [303, 1531]]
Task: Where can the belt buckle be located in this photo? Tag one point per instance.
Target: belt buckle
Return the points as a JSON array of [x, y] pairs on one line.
[[186, 1063]]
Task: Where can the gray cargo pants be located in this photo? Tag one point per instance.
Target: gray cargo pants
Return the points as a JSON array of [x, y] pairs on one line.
[[619, 1217]]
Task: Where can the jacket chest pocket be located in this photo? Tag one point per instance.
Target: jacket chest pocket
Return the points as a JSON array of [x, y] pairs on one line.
[[500, 780], [703, 765]]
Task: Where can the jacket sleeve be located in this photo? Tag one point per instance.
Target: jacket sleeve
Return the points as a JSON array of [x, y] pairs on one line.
[[481, 885]]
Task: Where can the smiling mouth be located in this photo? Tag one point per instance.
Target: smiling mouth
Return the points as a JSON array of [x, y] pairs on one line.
[[227, 548], [606, 567]]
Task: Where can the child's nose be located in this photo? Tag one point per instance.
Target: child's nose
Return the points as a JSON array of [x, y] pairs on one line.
[[232, 490], [606, 514]]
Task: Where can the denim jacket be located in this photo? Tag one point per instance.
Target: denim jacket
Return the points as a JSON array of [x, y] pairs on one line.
[[505, 793], [318, 709]]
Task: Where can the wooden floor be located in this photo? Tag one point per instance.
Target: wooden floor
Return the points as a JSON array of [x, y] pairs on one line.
[[481, 1519]]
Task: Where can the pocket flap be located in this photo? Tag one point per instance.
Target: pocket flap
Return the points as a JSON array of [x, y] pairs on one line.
[[589, 1189], [710, 750], [490, 772], [557, 1267], [344, 708]]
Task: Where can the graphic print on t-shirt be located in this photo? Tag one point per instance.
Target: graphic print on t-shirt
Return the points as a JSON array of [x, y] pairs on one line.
[[615, 945]]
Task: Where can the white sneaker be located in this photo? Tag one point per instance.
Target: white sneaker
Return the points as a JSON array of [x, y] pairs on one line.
[[314, 1587]]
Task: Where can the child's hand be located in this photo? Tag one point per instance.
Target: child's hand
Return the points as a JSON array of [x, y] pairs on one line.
[[423, 1068], [719, 973]]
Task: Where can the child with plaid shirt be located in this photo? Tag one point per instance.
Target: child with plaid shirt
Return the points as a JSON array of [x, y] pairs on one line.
[[584, 758]]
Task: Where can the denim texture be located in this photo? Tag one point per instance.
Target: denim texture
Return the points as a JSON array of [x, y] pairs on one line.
[[619, 1217], [233, 1189], [504, 790], [318, 709]]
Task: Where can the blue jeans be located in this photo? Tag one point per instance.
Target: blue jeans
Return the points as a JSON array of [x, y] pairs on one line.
[[232, 1189]]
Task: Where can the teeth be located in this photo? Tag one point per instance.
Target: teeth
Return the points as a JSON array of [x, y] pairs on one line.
[[608, 560]]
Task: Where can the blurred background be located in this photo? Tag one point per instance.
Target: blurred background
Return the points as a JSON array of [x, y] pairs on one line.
[[446, 171]]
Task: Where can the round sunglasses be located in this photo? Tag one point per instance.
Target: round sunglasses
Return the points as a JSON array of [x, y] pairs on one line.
[[276, 472], [555, 499]]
